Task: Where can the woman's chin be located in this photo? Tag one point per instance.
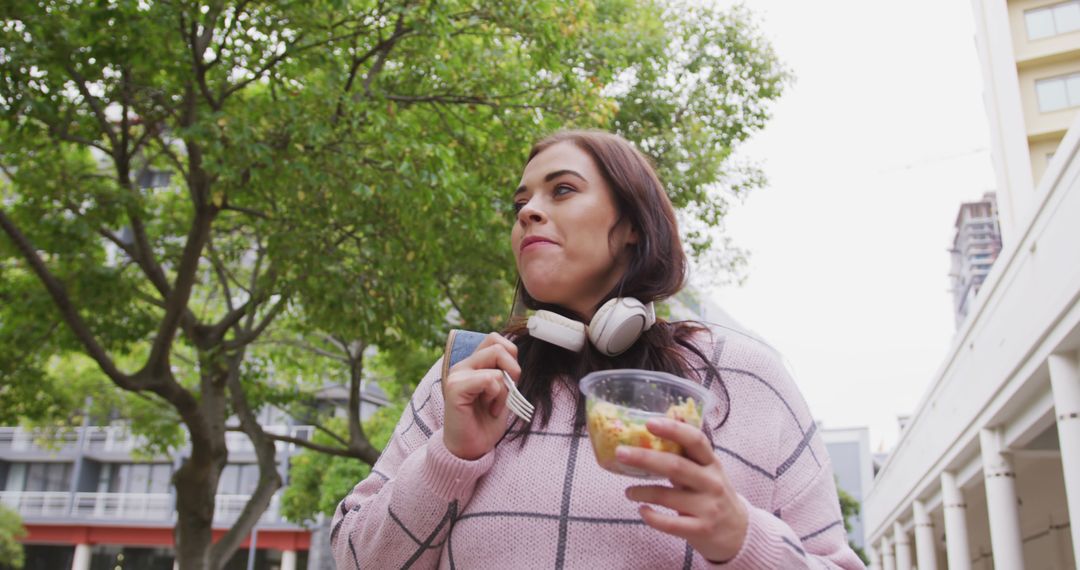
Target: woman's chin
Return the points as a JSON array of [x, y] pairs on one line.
[[548, 293]]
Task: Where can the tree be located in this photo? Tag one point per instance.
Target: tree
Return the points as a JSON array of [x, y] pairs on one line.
[[849, 508], [183, 181], [11, 532]]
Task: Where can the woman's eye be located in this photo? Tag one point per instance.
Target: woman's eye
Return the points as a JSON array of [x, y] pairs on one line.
[[518, 206], [562, 189]]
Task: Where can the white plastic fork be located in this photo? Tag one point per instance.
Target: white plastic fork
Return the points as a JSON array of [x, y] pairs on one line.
[[516, 402]]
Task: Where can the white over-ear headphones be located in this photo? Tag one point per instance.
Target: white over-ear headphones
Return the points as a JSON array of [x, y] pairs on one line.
[[614, 328]]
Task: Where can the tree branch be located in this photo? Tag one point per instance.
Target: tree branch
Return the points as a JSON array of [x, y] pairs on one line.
[[265, 454], [219, 269], [253, 213], [294, 50], [98, 110], [246, 337], [304, 346], [338, 451], [65, 134], [357, 438], [177, 301], [198, 45], [67, 309], [330, 433], [173, 158], [143, 258], [382, 49], [449, 295], [376, 68]]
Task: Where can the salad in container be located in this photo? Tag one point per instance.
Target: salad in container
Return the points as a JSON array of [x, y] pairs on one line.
[[618, 403]]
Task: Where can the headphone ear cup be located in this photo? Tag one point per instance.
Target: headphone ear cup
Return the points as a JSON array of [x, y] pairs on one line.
[[618, 324]]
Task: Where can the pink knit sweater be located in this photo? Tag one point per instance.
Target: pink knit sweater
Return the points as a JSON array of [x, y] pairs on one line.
[[548, 504]]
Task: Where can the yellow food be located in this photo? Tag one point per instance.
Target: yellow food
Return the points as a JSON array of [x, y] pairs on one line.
[[610, 427]]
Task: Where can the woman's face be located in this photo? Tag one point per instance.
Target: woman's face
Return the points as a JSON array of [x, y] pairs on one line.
[[566, 251]]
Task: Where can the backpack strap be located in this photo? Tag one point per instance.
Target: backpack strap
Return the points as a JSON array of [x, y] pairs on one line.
[[460, 344]]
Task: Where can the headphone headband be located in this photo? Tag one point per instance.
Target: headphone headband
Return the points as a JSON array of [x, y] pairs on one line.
[[614, 328]]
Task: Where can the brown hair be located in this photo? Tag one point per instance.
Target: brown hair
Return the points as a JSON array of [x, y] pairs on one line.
[[656, 271], [657, 267]]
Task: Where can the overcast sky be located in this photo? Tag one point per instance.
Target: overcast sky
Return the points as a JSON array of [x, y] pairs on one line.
[[869, 155]]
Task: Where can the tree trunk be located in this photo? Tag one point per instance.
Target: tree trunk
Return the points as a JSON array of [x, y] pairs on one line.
[[266, 455], [197, 479], [196, 485]]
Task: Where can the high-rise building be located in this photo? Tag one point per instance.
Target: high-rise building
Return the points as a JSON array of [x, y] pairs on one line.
[[976, 246], [1030, 56]]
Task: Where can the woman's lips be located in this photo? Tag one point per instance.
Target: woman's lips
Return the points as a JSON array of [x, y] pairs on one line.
[[532, 241]]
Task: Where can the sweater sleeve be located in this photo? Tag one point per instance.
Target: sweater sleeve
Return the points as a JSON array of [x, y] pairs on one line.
[[400, 515], [797, 523], [806, 533]]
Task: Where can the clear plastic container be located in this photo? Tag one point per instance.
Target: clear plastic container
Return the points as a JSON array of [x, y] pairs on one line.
[[619, 402]]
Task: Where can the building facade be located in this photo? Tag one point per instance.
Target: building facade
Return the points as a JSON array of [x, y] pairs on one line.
[[91, 501], [1030, 56], [976, 245], [987, 472], [853, 465]]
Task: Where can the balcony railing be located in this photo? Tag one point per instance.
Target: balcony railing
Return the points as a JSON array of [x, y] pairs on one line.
[[227, 508], [122, 506], [18, 439], [119, 439], [37, 504], [127, 506]]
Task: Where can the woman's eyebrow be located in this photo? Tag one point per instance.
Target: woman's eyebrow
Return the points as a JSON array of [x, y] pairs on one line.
[[552, 176]]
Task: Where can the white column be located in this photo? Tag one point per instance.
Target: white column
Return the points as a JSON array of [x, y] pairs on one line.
[[925, 550], [1001, 502], [956, 533], [288, 560], [903, 547], [81, 560], [1065, 381], [887, 559], [875, 557]]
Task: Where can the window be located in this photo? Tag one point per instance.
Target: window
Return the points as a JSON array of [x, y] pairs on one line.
[[48, 477], [138, 477], [238, 479], [1053, 20], [1056, 93]]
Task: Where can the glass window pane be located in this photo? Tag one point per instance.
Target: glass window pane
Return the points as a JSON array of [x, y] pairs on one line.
[[16, 477], [1067, 17], [35, 477], [1052, 94], [159, 478], [227, 483], [121, 474], [249, 479], [140, 478], [1040, 23], [59, 477], [1072, 88]]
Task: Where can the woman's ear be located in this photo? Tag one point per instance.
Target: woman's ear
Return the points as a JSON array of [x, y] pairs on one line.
[[632, 238]]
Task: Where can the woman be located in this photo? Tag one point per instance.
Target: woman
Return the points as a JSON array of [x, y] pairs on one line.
[[463, 484]]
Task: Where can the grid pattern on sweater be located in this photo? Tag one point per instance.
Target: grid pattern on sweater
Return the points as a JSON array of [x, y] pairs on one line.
[[572, 511]]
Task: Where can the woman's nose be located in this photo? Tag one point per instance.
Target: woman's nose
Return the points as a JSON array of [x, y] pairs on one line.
[[530, 213]]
